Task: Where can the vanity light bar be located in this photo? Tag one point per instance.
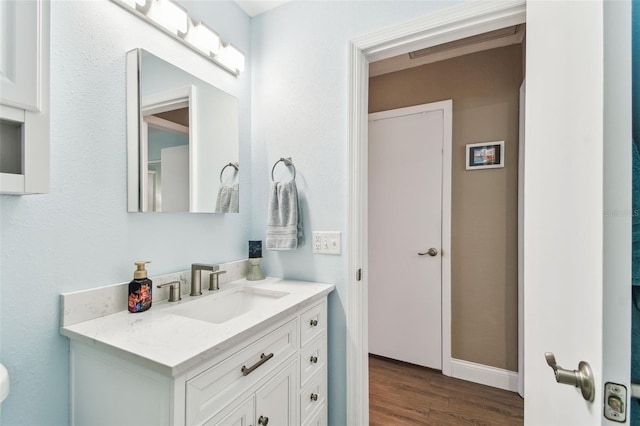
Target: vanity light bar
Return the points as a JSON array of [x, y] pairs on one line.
[[167, 13], [133, 3], [173, 19], [232, 57], [203, 38]]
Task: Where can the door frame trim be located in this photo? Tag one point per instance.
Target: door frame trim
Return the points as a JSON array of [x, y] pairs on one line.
[[446, 107], [443, 26]]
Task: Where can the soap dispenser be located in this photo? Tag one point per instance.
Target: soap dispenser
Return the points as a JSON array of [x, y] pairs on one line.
[[140, 289]]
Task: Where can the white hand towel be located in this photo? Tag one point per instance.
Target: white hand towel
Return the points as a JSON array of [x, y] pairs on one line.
[[228, 199], [284, 221]]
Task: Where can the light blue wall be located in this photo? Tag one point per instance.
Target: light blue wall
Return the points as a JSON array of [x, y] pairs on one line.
[[80, 234], [300, 109]]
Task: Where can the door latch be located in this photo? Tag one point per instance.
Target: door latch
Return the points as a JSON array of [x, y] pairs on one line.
[[581, 378], [615, 402]]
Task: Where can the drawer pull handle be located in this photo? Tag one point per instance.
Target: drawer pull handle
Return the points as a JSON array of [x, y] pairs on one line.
[[314, 396], [246, 371], [313, 323], [314, 360], [263, 420]]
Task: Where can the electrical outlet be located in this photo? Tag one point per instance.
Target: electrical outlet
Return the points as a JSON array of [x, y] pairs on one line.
[[327, 242], [317, 242]]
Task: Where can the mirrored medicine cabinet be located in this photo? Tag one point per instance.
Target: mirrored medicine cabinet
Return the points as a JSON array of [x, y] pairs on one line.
[[183, 140]]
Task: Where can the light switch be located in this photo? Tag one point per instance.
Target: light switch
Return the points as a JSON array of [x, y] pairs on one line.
[[327, 242]]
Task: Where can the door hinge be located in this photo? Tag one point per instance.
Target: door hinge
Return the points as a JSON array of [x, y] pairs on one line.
[[359, 275]]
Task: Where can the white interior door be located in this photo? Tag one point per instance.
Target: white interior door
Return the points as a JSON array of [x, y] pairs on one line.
[[577, 168], [405, 222]]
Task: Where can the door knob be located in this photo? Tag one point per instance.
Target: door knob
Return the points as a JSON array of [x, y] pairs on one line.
[[431, 252], [581, 378]]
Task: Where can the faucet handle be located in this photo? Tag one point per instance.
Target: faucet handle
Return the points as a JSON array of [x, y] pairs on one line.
[[174, 290], [214, 282]]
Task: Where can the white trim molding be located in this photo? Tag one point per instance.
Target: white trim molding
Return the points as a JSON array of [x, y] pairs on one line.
[[447, 25], [484, 374], [357, 303], [445, 252]]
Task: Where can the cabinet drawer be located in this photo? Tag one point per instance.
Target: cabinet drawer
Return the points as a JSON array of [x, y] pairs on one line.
[[313, 359], [313, 323], [313, 397], [210, 391]]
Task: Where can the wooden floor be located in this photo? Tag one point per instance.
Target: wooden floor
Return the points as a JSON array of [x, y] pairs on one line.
[[407, 394]]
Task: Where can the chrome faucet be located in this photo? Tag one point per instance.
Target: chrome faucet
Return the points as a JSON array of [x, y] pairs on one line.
[[196, 277]]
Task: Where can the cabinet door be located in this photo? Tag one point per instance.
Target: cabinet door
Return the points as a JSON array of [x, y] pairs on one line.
[[276, 400], [20, 53], [318, 419], [240, 415]]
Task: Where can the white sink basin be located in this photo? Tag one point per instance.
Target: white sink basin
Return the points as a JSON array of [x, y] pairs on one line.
[[228, 305]]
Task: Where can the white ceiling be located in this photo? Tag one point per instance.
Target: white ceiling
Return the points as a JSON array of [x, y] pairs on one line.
[[256, 7]]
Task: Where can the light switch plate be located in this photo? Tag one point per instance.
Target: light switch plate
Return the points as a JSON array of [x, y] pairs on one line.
[[327, 242]]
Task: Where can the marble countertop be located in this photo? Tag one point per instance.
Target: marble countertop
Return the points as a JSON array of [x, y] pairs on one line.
[[173, 344]]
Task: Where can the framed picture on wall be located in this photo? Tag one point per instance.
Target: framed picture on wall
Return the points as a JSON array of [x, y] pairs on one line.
[[485, 155]]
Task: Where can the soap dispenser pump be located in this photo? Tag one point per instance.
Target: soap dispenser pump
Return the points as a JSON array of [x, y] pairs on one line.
[[140, 289]]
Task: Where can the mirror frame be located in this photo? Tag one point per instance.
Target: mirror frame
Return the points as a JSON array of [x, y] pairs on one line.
[[133, 131]]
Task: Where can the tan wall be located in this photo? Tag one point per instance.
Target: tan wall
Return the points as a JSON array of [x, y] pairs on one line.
[[484, 87]]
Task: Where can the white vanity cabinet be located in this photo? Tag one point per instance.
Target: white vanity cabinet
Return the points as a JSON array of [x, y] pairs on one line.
[[276, 376], [24, 96]]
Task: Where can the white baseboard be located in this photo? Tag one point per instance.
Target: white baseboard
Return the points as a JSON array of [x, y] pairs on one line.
[[484, 374]]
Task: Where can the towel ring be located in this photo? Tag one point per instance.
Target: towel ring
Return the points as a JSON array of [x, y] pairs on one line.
[[287, 161], [234, 165]]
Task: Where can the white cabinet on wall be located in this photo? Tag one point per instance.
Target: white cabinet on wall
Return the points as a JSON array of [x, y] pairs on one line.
[[24, 96], [277, 376]]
